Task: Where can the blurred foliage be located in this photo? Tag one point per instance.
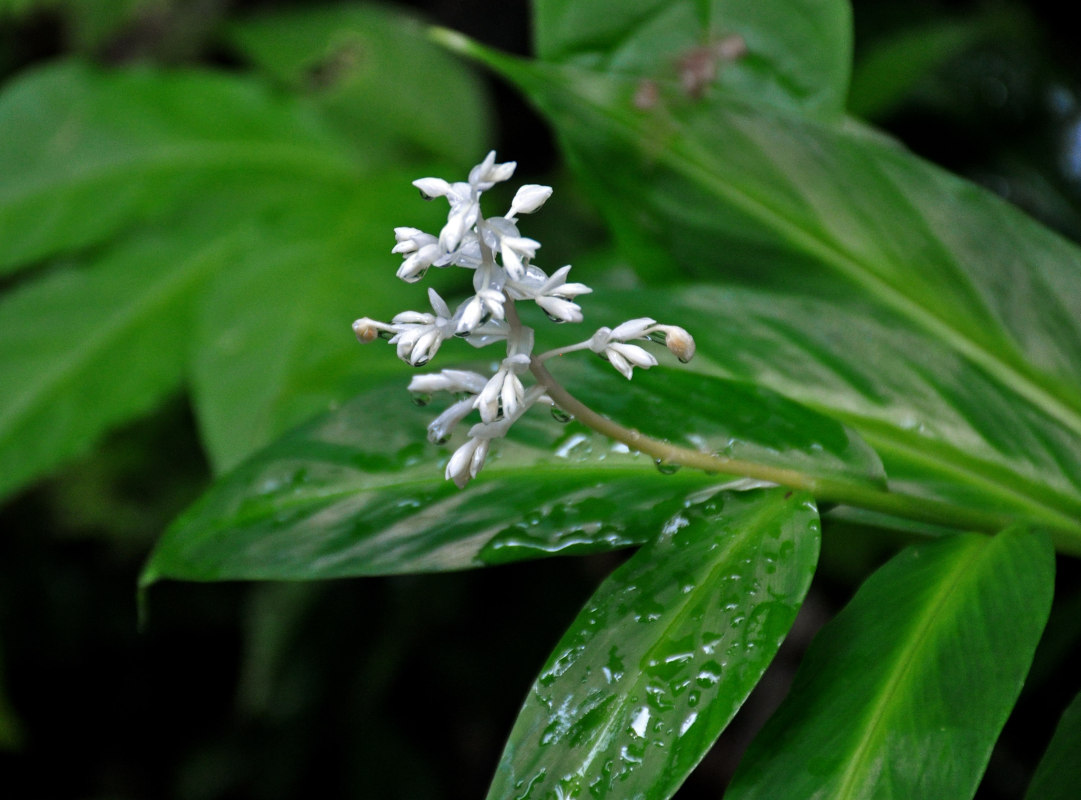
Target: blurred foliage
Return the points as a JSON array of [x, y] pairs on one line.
[[237, 191]]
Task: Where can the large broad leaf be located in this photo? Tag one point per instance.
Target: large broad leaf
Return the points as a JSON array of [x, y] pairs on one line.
[[944, 428], [85, 153], [272, 343], [83, 349], [797, 53], [1059, 772], [665, 652], [904, 693], [362, 492], [730, 187], [372, 71]]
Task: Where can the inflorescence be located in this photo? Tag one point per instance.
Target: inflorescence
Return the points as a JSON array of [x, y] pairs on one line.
[[503, 273]]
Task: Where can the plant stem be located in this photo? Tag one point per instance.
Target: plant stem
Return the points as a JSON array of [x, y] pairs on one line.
[[1065, 531]]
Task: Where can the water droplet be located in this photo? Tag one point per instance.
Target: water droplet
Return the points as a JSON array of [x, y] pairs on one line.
[[420, 399], [683, 360], [666, 467], [561, 416]]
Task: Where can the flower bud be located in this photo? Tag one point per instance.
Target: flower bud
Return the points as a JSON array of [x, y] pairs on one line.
[[529, 198], [365, 330], [679, 343]]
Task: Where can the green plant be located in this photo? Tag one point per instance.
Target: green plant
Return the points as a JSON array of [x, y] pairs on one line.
[[879, 345]]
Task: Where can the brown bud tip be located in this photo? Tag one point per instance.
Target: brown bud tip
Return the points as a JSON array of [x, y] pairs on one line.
[[680, 343], [365, 331]]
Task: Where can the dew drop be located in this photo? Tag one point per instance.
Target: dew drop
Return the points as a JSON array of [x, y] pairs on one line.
[[683, 360], [666, 467], [420, 399], [561, 416]]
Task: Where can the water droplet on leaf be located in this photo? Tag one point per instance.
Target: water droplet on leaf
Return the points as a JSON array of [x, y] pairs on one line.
[[561, 416], [666, 467]]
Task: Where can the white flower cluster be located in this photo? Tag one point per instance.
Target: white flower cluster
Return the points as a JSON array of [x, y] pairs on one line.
[[503, 272]]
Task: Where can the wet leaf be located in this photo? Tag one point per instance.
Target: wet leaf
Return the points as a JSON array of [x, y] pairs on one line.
[[665, 652], [360, 491], [944, 428], [904, 693], [730, 189]]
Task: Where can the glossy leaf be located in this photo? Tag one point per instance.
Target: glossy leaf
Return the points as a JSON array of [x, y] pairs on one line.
[[373, 70], [904, 693], [945, 429], [727, 187], [86, 153], [1059, 773], [798, 54], [362, 492], [664, 654], [84, 349]]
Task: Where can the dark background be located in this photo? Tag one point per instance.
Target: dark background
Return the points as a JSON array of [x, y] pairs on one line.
[[406, 687]]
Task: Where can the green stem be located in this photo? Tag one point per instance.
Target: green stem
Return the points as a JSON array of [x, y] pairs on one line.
[[824, 489]]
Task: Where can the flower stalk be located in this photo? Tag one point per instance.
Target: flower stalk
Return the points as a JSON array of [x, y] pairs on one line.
[[504, 274]]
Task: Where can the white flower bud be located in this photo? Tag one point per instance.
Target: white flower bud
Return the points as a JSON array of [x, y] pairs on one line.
[[632, 329], [560, 309], [529, 198], [432, 187], [467, 461], [448, 380], [624, 357]]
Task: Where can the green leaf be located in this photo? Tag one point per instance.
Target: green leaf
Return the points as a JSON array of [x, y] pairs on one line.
[[664, 654], [904, 693], [944, 429], [730, 187], [798, 53], [361, 491], [373, 70], [272, 343], [86, 153], [84, 349], [1058, 775]]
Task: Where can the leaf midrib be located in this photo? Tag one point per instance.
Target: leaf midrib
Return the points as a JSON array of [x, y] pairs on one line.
[[918, 640], [695, 166]]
